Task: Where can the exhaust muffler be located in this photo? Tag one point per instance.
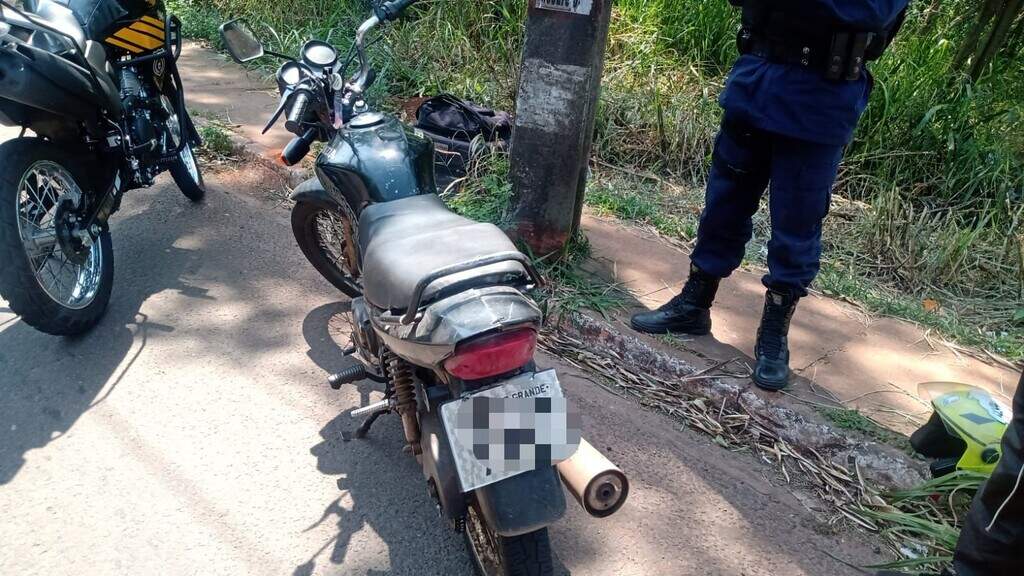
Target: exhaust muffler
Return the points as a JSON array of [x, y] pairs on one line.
[[598, 485]]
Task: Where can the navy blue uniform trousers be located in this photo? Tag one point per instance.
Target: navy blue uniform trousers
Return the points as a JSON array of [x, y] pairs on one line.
[[800, 173]]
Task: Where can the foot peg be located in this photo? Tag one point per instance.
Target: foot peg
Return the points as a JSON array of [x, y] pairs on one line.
[[347, 376], [375, 410]]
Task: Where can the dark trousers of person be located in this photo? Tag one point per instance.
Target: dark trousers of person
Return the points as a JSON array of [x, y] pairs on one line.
[[801, 175], [991, 545]]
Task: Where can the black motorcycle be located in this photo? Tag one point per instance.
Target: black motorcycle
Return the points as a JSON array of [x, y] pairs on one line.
[[439, 314], [98, 87]]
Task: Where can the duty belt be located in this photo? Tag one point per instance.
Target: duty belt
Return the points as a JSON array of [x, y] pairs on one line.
[[841, 58]]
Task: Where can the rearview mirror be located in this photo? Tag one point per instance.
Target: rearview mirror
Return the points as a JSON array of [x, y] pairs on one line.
[[240, 41]]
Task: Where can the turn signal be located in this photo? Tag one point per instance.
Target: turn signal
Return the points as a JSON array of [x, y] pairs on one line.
[[492, 355]]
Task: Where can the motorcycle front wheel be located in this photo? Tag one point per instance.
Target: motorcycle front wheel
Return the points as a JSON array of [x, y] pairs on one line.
[[57, 284], [185, 168], [327, 238], [186, 174], [495, 555]]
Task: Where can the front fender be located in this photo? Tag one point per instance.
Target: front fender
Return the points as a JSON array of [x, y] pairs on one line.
[[313, 192]]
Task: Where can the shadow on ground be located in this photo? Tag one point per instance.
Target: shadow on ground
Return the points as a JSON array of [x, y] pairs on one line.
[[381, 487], [67, 376]]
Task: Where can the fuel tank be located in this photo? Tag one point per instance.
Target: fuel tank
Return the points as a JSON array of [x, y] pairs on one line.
[[375, 159], [126, 27]]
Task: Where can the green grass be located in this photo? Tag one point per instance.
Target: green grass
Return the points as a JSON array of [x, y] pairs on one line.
[[573, 288], [486, 193], [216, 140], [849, 419], [637, 200], [922, 522]]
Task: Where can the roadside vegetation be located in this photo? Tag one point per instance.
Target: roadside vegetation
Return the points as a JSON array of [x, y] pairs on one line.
[[927, 222], [217, 146]]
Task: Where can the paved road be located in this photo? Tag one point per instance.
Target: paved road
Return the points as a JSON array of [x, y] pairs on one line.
[[192, 433]]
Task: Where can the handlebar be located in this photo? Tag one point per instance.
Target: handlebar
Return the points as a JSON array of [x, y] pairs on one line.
[[293, 122], [386, 11], [358, 84], [383, 12], [297, 99]]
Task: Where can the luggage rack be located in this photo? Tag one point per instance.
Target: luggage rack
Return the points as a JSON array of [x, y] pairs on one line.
[[509, 256]]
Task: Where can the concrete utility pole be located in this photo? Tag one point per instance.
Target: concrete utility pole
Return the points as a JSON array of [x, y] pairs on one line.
[[559, 83]]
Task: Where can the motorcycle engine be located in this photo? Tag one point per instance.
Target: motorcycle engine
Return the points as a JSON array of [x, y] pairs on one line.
[[143, 123]]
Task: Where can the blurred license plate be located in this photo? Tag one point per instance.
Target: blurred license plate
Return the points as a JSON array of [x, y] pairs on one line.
[[520, 425]]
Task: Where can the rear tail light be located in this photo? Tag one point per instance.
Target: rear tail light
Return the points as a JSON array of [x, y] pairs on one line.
[[492, 355]]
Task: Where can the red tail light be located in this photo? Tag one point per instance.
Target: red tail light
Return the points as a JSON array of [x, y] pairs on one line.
[[492, 355]]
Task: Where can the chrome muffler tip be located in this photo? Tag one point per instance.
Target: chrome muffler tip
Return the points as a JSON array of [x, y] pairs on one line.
[[597, 484]]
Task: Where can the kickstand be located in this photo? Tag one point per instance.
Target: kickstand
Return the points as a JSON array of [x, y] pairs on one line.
[[364, 428]]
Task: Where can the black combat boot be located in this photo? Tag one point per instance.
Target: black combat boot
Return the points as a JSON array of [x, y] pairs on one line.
[[688, 313], [772, 349]]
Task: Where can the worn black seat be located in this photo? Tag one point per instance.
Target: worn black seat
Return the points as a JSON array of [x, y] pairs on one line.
[[403, 241]]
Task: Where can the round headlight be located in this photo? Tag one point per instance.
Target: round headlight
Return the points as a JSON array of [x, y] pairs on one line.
[[289, 74], [319, 54]]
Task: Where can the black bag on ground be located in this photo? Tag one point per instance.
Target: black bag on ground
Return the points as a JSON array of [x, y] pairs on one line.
[[451, 117], [457, 128]]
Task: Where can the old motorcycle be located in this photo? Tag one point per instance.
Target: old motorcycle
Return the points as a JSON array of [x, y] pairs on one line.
[[439, 314], [96, 83]]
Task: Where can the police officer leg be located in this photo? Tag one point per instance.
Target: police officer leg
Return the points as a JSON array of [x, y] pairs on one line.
[[802, 174], [992, 539], [739, 175], [740, 168]]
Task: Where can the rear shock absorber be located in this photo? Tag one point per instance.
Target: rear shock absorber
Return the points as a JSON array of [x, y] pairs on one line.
[[403, 384]]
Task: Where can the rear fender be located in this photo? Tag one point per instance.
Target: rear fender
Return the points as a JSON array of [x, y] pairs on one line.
[[523, 503]]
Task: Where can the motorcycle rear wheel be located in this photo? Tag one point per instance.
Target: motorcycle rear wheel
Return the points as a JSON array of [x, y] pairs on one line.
[[320, 235], [53, 291], [495, 555]]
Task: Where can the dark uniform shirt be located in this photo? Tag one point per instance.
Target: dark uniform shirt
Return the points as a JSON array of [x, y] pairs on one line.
[[799, 102]]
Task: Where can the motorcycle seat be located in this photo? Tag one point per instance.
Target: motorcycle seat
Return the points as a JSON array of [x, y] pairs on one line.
[[403, 241]]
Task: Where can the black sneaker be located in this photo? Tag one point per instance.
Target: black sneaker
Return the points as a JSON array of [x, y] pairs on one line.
[[772, 349], [687, 313]]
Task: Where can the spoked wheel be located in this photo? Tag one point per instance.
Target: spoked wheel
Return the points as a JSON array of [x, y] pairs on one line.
[[55, 276], [185, 169], [495, 555], [328, 240]]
